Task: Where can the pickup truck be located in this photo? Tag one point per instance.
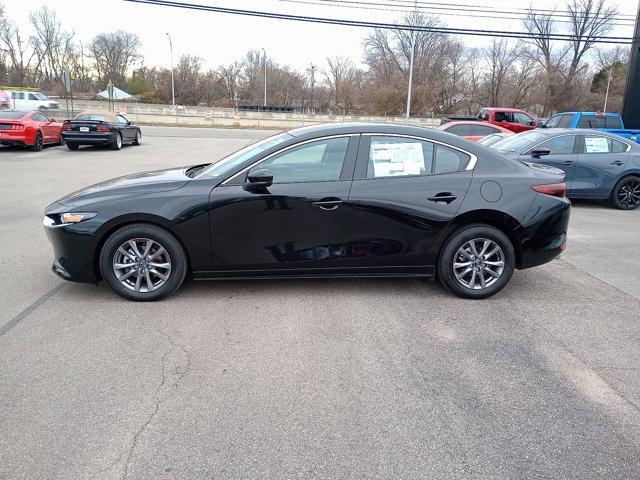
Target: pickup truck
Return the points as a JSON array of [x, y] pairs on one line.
[[510, 118], [607, 122]]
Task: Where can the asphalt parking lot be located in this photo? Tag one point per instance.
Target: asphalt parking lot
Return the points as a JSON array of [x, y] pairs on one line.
[[319, 379]]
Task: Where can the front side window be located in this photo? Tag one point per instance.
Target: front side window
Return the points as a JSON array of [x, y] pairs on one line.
[[553, 122], [522, 118], [503, 117], [566, 120], [562, 145], [318, 161], [122, 120]]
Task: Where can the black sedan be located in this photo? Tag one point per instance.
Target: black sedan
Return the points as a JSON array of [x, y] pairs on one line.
[[374, 200], [597, 165], [100, 128]]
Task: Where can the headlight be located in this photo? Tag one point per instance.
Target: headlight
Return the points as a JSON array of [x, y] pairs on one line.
[[67, 218]]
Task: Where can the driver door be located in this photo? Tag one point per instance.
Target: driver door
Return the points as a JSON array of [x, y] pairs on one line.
[[297, 222]]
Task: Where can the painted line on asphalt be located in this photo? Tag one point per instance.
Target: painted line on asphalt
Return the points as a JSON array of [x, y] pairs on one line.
[[24, 313]]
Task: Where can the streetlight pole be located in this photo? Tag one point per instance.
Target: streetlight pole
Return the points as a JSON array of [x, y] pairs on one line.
[[606, 95], [264, 59], [413, 49], [173, 86]]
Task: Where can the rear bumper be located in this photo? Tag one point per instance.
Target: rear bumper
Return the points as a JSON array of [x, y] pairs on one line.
[[544, 236], [8, 137], [75, 253], [88, 138]]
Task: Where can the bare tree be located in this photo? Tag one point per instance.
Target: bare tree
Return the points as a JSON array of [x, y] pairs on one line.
[[18, 51], [338, 76], [500, 58], [52, 45], [114, 53]]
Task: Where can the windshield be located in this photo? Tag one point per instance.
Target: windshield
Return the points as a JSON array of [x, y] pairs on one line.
[[235, 159], [520, 142]]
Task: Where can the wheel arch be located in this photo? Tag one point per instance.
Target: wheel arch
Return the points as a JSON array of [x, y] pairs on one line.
[[108, 228], [494, 218]]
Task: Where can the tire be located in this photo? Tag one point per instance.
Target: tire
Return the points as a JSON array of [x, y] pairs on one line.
[[37, 146], [73, 146], [626, 193], [138, 139], [117, 142], [458, 249], [130, 278]]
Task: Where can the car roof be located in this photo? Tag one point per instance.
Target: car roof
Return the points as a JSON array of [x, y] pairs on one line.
[[551, 132], [598, 114], [505, 109], [478, 122], [111, 116]]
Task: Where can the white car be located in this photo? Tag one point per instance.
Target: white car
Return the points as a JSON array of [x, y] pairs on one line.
[[24, 100]]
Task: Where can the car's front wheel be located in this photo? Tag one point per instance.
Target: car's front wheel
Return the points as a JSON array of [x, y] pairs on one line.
[[143, 262], [477, 261], [626, 194]]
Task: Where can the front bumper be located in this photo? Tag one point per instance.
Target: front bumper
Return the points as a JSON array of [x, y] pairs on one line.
[[91, 138], [75, 252]]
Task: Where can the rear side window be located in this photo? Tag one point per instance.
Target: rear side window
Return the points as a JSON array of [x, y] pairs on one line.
[[562, 145], [598, 144], [592, 121], [397, 156], [483, 130], [460, 130], [565, 121]]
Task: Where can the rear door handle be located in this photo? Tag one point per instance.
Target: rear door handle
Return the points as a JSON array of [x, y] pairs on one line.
[[568, 163], [328, 203], [617, 162], [444, 197]]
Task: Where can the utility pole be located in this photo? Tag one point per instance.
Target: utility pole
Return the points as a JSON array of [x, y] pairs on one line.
[[312, 69], [413, 50], [264, 57], [631, 104], [173, 86]]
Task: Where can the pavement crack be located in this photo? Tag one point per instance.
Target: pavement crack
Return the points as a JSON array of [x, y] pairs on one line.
[[175, 365], [27, 311]]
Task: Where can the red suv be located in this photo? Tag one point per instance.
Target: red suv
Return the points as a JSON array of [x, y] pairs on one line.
[[510, 118]]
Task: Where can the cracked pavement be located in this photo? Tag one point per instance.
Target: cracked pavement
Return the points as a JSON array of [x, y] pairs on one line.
[[319, 379]]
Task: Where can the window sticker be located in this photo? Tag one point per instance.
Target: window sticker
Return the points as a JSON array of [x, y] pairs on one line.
[[596, 144], [395, 159]]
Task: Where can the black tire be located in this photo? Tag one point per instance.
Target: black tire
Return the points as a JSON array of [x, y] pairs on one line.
[[117, 142], [73, 146], [450, 253], [138, 139], [626, 193], [37, 146], [176, 257]]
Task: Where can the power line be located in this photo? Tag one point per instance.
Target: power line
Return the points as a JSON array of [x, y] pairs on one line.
[[387, 26], [428, 10]]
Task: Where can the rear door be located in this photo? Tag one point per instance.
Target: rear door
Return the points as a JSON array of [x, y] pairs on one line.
[[563, 155], [405, 191], [601, 161]]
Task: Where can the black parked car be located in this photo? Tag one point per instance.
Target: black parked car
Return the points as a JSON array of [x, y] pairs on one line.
[[597, 165], [100, 128], [331, 200]]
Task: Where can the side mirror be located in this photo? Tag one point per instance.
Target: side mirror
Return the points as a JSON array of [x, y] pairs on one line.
[[51, 120], [260, 178], [540, 152], [532, 123], [129, 122]]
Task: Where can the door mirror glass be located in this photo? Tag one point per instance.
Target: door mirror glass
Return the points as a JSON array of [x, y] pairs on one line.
[[540, 152], [260, 178]]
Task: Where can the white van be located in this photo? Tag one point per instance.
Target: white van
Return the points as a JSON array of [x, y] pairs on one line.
[[23, 100]]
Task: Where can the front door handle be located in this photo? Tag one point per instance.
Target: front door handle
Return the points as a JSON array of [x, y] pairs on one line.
[[328, 203], [444, 197], [617, 162], [568, 163]]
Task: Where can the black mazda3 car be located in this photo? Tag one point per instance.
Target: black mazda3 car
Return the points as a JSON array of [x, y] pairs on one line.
[[363, 200]]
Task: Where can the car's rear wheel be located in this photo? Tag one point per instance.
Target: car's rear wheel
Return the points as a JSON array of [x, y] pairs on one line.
[[138, 139], [37, 146], [72, 146], [143, 262], [117, 142], [626, 193], [477, 261]]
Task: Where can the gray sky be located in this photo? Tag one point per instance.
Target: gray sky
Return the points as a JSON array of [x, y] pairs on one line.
[[220, 38]]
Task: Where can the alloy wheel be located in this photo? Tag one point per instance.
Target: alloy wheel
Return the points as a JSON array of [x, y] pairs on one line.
[[142, 265], [118, 140], [478, 263], [138, 138], [629, 194]]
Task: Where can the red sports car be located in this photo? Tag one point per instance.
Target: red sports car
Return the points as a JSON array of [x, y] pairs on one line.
[[28, 129]]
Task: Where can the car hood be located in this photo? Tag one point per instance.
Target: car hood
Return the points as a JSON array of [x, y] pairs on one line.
[[130, 185]]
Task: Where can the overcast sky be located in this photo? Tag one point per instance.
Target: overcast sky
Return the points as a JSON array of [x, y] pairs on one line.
[[220, 38]]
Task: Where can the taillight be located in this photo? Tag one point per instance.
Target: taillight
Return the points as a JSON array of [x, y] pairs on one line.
[[17, 126], [553, 189], [66, 127], [102, 128]]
